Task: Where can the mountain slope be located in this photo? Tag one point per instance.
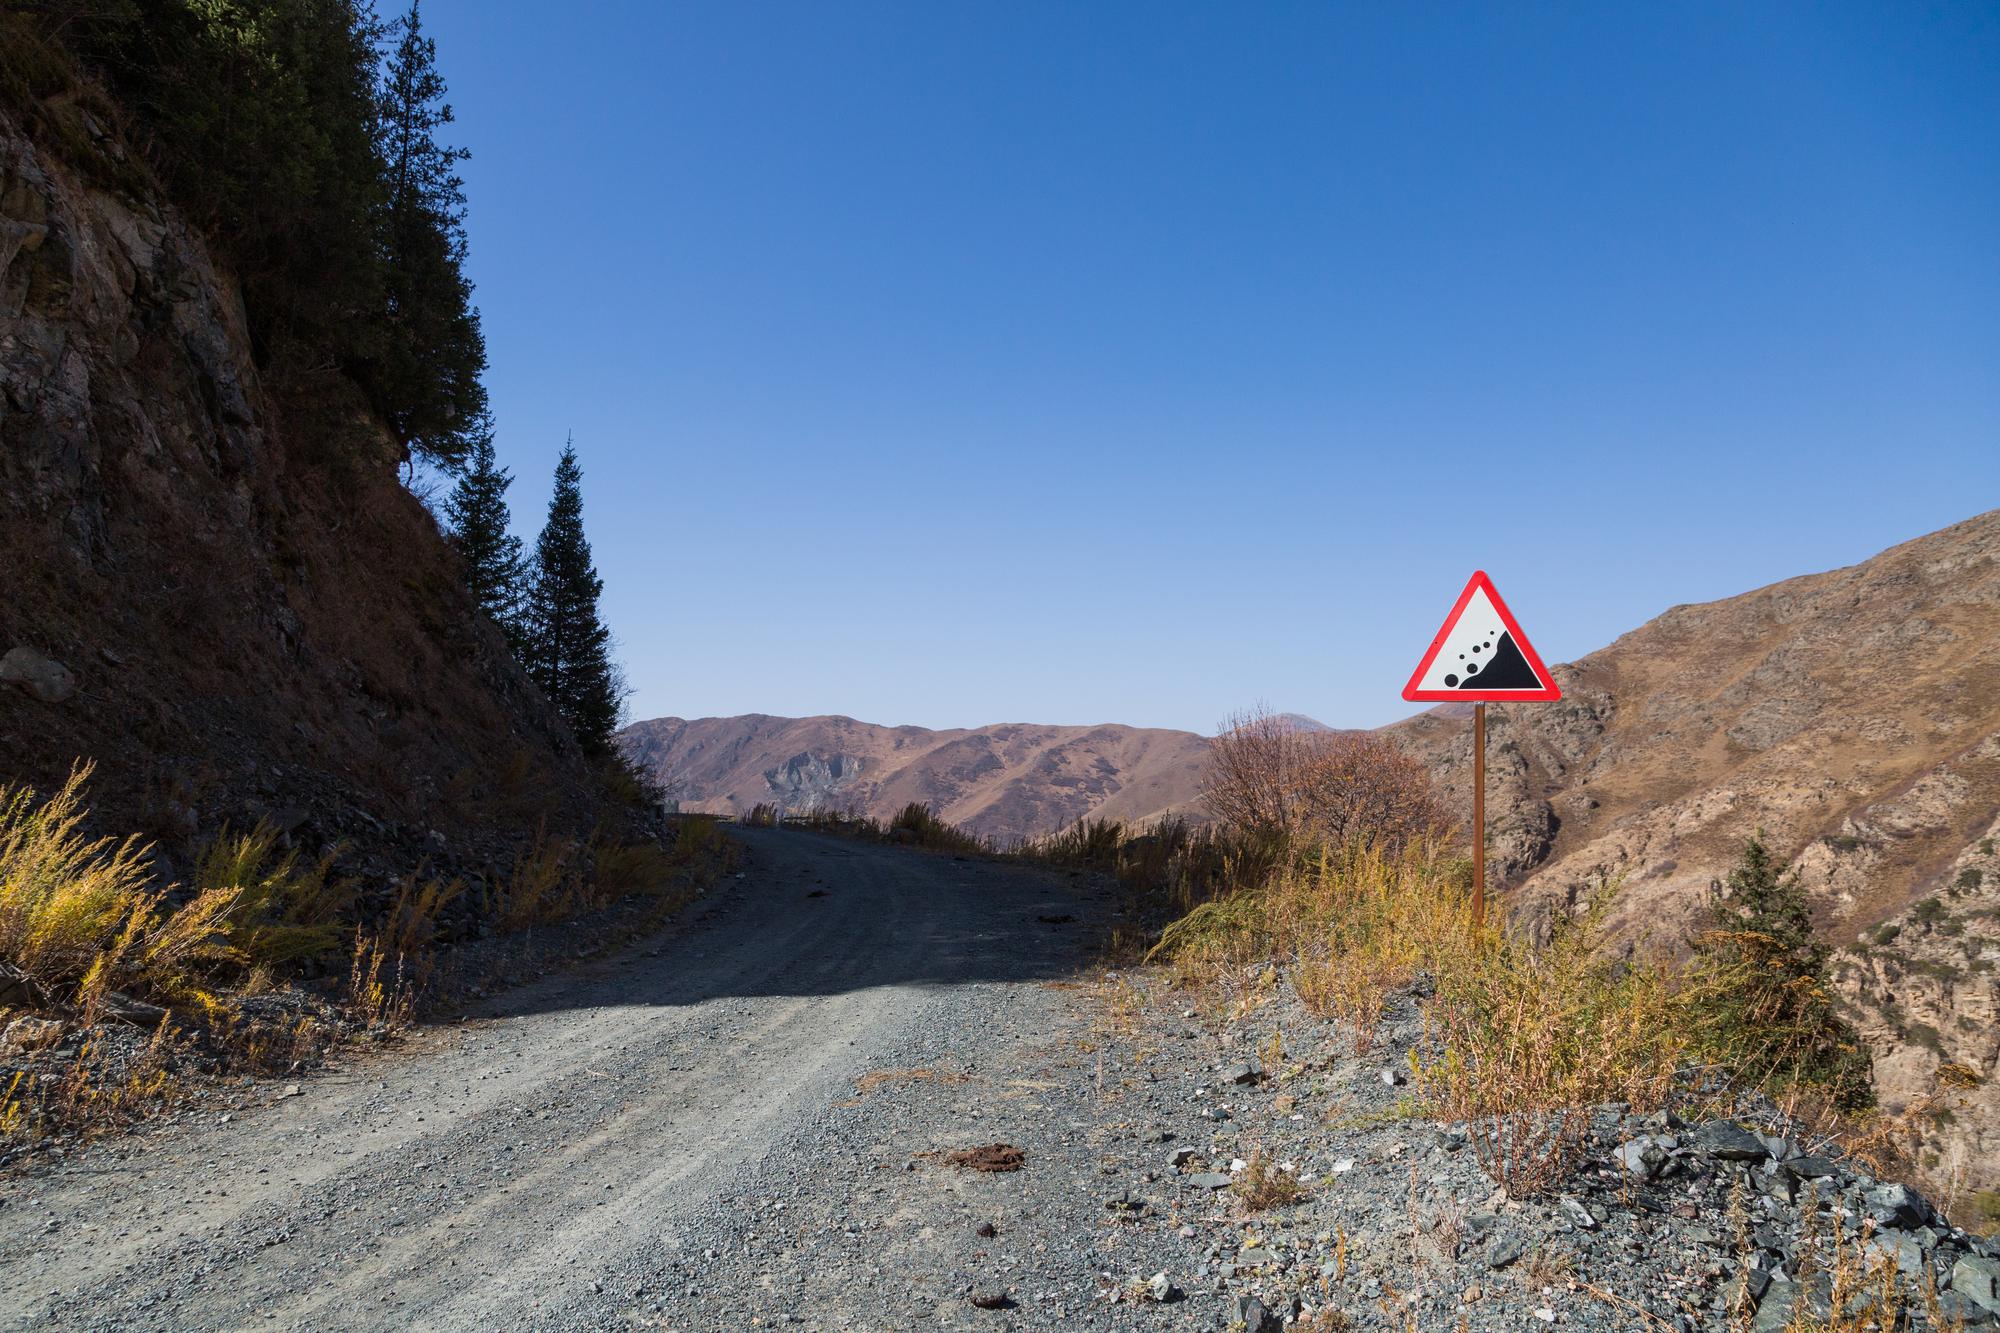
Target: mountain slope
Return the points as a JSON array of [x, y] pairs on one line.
[[1009, 781], [232, 608], [1853, 715]]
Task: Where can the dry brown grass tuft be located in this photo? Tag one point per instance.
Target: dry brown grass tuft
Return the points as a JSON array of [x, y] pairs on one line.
[[1263, 1184], [990, 1157], [876, 1079]]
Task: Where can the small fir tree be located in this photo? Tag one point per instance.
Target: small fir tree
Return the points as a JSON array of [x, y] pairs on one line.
[[568, 646], [476, 514], [1771, 1007]]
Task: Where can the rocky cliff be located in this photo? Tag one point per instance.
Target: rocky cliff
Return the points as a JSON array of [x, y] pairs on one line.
[[234, 610], [1855, 716]]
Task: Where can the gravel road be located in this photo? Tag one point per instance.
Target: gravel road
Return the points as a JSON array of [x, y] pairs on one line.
[[671, 1138]]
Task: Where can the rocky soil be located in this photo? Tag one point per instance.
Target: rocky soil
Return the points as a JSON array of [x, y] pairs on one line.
[[775, 1117]]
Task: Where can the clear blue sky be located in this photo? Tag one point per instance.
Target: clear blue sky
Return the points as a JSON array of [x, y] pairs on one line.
[[975, 362]]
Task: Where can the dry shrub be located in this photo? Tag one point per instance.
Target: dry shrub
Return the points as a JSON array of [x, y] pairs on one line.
[[80, 916], [916, 823], [763, 815], [391, 962], [546, 885], [1355, 924], [1263, 1184], [70, 906], [1267, 775], [1529, 1039], [628, 868], [1523, 1041]]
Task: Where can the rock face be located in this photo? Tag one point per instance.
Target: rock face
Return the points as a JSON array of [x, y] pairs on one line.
[[1006, 782], [1855, 717], [217, 592]]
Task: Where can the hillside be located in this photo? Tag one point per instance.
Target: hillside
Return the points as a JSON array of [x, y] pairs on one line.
[[1855, 716], [227, 603], [1009, 781]]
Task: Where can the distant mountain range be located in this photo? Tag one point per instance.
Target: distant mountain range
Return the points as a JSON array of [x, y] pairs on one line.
[[1007, 782]]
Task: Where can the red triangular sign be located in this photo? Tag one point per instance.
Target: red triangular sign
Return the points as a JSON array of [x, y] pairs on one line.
[[1481, 656]]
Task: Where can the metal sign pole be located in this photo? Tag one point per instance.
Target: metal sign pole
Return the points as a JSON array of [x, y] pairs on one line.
[[1480, 654], [1478, 815]]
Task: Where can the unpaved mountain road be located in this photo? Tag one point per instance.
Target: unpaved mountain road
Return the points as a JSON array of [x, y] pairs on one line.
[[671, 1138]]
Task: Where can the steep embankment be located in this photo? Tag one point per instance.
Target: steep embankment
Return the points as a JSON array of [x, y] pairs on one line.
[[1010, 781], [1855, 716], [234, 611]]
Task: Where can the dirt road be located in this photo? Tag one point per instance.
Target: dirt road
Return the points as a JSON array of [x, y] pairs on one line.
[[674, 1138]]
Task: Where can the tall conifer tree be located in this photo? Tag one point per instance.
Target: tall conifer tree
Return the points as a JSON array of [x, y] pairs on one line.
[[434, 351], [476, 512], [568, 646]]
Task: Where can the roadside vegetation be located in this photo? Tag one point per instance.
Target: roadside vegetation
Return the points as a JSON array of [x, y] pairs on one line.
[[1330, 864], [260, 962]]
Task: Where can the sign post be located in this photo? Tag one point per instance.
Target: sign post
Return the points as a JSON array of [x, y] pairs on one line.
[[1480, 656]]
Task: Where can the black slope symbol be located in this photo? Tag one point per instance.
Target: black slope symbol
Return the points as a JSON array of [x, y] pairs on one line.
[[1507, 670]]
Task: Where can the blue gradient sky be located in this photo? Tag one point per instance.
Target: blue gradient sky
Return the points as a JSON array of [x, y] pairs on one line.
[[961, 363]]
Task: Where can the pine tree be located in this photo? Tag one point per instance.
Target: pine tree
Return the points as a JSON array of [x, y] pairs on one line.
[[428, 379], [476, 513], [1771, 1006], [568, 646]]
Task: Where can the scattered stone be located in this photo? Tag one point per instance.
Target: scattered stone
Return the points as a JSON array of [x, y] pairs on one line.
[[1578, 1213], [1978, 1280], [1253, 1317], [1813, 1167], [1642, 1157], [1897, 1206], [1727, 1141], [1159, 1289], [986, 1231], [1505, 1249], [1208, 1180], [1180, 1157], [1241, 1073], [990, 1298], [29, 1034], [42, 677]]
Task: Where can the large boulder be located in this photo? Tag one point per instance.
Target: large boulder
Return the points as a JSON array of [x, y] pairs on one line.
[[43, 677]]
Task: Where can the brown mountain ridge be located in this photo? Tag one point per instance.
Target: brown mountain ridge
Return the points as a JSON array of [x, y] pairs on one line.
[[1007, 782]]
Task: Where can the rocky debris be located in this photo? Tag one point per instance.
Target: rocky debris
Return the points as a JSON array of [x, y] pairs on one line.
[[43, 677], [29, 1033]]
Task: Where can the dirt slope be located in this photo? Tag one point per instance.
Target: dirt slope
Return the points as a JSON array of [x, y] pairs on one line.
[[248, 616], [1008, 781], [1855, 716]]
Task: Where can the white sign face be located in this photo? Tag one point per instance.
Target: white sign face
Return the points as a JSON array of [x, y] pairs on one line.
[[1481, 654]]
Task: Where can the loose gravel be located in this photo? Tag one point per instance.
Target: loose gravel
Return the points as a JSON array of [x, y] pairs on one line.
[[750, 1122]]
